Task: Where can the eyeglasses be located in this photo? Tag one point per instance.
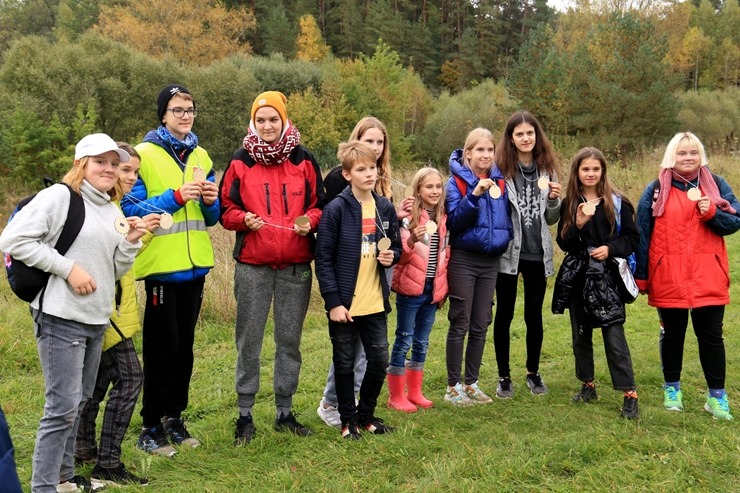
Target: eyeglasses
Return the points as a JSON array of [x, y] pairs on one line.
[[181, 112]]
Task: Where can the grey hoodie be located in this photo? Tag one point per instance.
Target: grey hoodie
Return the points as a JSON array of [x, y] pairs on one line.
[[99, 249]]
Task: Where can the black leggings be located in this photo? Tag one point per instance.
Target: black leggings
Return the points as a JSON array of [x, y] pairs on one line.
[[707, 323], [535, 284]]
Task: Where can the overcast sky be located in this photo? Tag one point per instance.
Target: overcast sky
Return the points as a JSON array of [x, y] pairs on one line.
[[559, 4]]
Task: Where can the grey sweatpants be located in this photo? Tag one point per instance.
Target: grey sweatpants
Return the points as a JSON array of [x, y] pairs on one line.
[[254, 287]]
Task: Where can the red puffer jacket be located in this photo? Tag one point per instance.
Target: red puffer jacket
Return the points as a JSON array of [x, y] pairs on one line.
[[410, 273], [278, 194], [687, 262]]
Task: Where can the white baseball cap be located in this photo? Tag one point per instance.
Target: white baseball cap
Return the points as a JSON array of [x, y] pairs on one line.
[[97, 144]]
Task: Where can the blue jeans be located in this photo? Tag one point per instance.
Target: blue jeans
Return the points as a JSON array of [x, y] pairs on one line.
[[70, 355], [372, 330], [414, 320]]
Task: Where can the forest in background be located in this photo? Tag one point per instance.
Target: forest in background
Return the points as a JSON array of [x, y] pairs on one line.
[[622, 75]]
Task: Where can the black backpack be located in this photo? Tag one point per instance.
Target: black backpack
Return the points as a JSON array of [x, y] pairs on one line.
[[26, 282]]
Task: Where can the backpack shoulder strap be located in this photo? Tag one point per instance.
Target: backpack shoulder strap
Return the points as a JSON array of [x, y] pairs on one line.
[[73, 224]]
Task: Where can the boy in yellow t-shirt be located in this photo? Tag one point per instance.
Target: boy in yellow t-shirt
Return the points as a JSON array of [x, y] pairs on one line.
[[358, 238]]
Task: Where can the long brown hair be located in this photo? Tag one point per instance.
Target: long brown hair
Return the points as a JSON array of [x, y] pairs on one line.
[[383, 186], [543, 154], [439, 210], [604, 189], [74, 178]]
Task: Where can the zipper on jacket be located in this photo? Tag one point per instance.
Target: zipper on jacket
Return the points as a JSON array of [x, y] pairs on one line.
[[285, 198], [267, 199]]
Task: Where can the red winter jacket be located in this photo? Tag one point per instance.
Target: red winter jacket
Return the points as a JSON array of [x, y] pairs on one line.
[[410, 273], [687, 261], [278, 194]]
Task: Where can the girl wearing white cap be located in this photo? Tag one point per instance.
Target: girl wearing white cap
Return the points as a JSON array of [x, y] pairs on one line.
[[78, 297]]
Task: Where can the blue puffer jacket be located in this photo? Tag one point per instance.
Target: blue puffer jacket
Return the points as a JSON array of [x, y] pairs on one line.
[[476, 224]]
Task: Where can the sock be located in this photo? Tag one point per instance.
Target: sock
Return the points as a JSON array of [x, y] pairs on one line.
[[631, 393], [283, 411], [716, 393], [245, 411], [675, 385]]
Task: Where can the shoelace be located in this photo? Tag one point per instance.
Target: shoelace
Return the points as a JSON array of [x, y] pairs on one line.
[[672, 393]]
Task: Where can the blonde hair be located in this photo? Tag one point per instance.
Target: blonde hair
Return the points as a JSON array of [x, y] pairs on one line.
[[74, 178], [353, 152], [475, 136], [383, 185], [420, 179], [669, 158]]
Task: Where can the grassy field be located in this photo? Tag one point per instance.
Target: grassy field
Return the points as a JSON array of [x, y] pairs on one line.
[[526, 444]]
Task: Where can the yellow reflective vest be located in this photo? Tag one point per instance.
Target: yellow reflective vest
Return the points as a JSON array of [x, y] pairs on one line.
[[186, 245]]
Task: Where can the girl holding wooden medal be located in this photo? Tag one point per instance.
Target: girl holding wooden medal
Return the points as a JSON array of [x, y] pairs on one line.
[[682, 265], [586, 285], [480, 228], [420, 281], [269, 195], [78, 298], [528, 162]]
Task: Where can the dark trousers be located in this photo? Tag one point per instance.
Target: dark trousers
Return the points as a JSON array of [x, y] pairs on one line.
[[373, 332], [170, 316], [707, 323], [472, 281], [615, 345], [535, 284], [119, 368], [8, 474]]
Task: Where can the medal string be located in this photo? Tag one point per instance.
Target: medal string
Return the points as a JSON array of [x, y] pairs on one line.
[[698, 183], [145, 206], [525, 176], [394, 181], [375, 220]]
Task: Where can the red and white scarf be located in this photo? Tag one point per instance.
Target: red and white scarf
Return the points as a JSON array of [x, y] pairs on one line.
[[272, 154], [708, 186]]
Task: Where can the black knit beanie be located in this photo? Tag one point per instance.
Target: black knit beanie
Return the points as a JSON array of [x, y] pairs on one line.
[[165, 95]]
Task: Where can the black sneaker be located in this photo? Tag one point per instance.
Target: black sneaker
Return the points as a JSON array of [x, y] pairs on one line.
[[287, 422], [117, 476], [175, 430], [350, 431], [535, 384], [377, 427], [245, 430], [629, 408], [154, 441], [586, 394]]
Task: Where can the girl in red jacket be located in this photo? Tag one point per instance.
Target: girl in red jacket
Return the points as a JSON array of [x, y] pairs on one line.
[[420, 280], [682, 264]]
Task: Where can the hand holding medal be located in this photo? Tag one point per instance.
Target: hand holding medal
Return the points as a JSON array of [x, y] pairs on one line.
[[163, 220], [137, 229], [302, 225]]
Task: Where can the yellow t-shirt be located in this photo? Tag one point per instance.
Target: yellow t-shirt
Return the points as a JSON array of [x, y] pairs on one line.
[[368, 297]]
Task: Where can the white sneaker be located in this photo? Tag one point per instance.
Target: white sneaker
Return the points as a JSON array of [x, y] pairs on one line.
[[329, 415], [457, 396]]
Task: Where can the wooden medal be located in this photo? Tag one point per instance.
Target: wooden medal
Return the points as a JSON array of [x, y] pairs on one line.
[[494, 191], [543, 183], [199, 174], [589, 209], [431, 227], [166, 221], [121, 225], [384, 244], [693, 194], [302, 220]]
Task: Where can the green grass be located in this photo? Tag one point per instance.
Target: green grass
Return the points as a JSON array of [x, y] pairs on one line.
[[526, 444]]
